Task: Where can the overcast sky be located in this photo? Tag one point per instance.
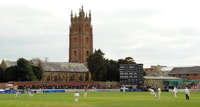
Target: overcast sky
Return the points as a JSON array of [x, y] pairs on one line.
[[152, 32]]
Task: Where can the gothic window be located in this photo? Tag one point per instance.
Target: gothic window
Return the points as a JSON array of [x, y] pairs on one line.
[[87, 77], [63, 77], [87, 41], [74, 53], [87, 53], [48, 78], [87, 28], [56, 78], [80, 78], [71, 78], [75, 41]]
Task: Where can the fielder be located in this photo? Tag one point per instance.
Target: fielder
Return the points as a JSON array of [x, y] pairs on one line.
[[76, 95], [85, 93], [159, 92], [124, 89], [17, 94], [30, 94], [175, 92], [152, 92], [187, 93]]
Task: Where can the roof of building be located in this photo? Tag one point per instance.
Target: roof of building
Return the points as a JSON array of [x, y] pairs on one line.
[[10, 63], [185, 70], [167, 69], [64, 66], [164, 78]]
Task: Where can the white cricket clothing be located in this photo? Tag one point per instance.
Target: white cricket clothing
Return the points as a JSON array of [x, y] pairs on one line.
[[17, 94], [30, 94], [175, 92], [76, 95], [85, 94], [187, 92], [124, 89], [159, 92], [152, 92]]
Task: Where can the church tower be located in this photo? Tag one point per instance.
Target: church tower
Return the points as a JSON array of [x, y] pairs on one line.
[[80, 37]]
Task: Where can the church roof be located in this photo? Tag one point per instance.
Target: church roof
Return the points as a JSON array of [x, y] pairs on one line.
[[10, 63], [64, 66]]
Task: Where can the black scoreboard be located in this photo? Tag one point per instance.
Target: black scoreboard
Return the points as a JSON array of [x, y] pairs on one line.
[[131, 74]]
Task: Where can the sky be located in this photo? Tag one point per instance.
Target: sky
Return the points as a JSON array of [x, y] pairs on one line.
[[152, 32]]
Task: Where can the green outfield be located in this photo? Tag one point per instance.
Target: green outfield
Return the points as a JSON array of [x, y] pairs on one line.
[[100, 99]]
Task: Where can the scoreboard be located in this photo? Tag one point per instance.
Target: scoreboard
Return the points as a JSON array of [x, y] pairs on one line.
[[131, 74]]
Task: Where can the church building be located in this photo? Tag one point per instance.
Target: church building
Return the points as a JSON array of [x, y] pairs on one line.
[[80, 37]]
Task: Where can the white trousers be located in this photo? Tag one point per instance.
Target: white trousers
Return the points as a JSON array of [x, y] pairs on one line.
[[175, 94], [159, 95], [76, 98], [17, 94], [30, 95], [85, 94], [152, 93]]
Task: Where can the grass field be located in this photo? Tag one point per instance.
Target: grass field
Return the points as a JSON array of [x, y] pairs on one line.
[[100, 99]]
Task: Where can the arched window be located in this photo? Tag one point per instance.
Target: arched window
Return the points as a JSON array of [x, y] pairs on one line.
[[87, 77], [56, 78], [87, 53], [80, 78], [71, 78], [87, 28], [63, 77], [87, 41], [75, 41], [74, 53], [48, 78]]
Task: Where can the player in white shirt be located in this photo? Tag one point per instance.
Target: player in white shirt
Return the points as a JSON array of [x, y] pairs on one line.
[[17, 94], [85, 93], [159, 92], [30, 94], [76, 95], [175, 92], [152, 92], [187, 93]]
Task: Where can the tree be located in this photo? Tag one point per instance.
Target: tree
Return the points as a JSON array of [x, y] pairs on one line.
[[11, 74], [96, 66], [37, 71], [1, 74], [25, 70]]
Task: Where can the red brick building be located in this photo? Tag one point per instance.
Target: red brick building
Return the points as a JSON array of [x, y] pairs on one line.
[[80, 37], [191, 73]]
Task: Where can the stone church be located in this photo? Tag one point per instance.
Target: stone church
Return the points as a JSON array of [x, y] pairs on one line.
[[80, 47]]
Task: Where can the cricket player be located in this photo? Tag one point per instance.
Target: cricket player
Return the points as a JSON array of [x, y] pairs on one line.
[[31, 94], [17, 94], [187, 93], [175, 92], [152, 92], [124, 89], [85, 93], [76, 95], [159, 92]]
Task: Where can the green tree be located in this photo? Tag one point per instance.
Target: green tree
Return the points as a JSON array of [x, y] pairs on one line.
[[10, 74], [25, 70], [1, 74], [96, 66], [38, 72]]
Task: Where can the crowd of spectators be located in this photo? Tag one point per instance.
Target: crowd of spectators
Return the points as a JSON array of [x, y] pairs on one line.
[[55, 86]]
